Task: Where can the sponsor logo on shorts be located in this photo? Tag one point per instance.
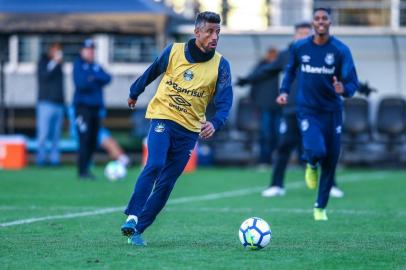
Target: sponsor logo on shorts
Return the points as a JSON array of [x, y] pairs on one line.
[[159, 128], [81, 124]]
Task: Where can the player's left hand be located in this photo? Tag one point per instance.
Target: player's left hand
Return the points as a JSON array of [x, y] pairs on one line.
[[131, 103], [207, 130], [338, 86]]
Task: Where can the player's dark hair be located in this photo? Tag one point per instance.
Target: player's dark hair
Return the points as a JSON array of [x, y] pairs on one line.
[[326, 9], [303, 25], [206, 16]]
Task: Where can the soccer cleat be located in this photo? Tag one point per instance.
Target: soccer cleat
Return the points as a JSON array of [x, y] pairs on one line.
[[273, 191], [128, 228], [335, 192], [320, 214], [311, 176], [136, 240], [87, 177]]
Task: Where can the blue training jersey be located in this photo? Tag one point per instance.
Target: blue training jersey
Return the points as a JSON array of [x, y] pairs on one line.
[[315, 66]]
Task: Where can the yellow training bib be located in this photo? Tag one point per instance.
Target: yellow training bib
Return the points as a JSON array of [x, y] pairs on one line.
[[185, 90]]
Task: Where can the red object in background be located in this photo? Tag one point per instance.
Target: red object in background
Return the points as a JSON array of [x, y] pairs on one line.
[[13, 154]]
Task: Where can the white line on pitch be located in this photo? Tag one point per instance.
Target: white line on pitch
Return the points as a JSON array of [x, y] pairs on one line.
[[281, 210], [209, 197]]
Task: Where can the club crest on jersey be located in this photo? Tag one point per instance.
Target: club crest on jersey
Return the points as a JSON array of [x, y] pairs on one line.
[[188, 75], [304, 124], [159, 128], [329, 59], [305, 58]]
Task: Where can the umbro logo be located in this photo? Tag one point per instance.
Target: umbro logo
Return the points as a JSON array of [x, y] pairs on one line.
[[305, 58], [179, 100]]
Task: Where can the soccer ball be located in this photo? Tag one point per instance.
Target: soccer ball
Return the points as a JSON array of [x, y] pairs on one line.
[[255, 233], [115, 170]]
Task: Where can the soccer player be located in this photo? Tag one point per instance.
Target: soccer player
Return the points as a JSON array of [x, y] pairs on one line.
[[325, 73], [193, 74]]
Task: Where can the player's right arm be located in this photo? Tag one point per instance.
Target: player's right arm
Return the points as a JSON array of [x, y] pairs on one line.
[[153, 71], [266, 71], [290, 74]]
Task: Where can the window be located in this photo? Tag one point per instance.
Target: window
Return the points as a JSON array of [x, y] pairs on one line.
[[4, 49], [31, 47], [130, 49], [71, 44], [28, 49], [402, 13], [359, 12]]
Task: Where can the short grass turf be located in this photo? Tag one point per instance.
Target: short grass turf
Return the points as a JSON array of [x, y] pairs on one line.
[[198, 229]]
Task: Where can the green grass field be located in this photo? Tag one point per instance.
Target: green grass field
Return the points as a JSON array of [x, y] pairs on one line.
[[50, 220]]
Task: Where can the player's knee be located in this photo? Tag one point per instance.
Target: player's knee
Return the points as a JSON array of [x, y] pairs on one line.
[[167, 186], [319, 152], [315, 153], [155, 165]]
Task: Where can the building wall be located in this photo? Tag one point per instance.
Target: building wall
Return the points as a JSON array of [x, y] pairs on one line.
[[380, 60]]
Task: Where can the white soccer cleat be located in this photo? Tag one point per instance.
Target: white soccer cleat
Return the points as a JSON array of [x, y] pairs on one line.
[[273, 192], [335, 192]]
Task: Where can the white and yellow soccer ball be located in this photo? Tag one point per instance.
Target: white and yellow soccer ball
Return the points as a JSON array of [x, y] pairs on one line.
[[115, 171], [255, 233]]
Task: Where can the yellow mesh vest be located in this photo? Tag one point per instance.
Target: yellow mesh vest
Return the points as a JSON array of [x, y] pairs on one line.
[[185, 90]]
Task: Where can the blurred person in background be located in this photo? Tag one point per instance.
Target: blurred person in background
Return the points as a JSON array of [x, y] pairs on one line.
[[193, 74], [325, 73], [263, 93], [289, 132], [89, 79], [50, 107]]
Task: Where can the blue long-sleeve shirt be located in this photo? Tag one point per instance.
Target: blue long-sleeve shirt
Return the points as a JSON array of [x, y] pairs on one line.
[[89, 80], [315, 66], [223, 96]]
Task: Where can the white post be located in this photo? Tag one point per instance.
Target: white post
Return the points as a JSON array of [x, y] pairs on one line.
[[307, 10], [276, 16], [13, 51], [102, 49], [394, 12]]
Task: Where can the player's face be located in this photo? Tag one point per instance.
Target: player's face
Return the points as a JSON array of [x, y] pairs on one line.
[[302, 32], [88, 54], [207, 36], [321, 22]]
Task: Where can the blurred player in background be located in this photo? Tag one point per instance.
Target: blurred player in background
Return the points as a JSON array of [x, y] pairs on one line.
[[89, 79], [50, 106], [263, 94], [193, 74], [325, 73]]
